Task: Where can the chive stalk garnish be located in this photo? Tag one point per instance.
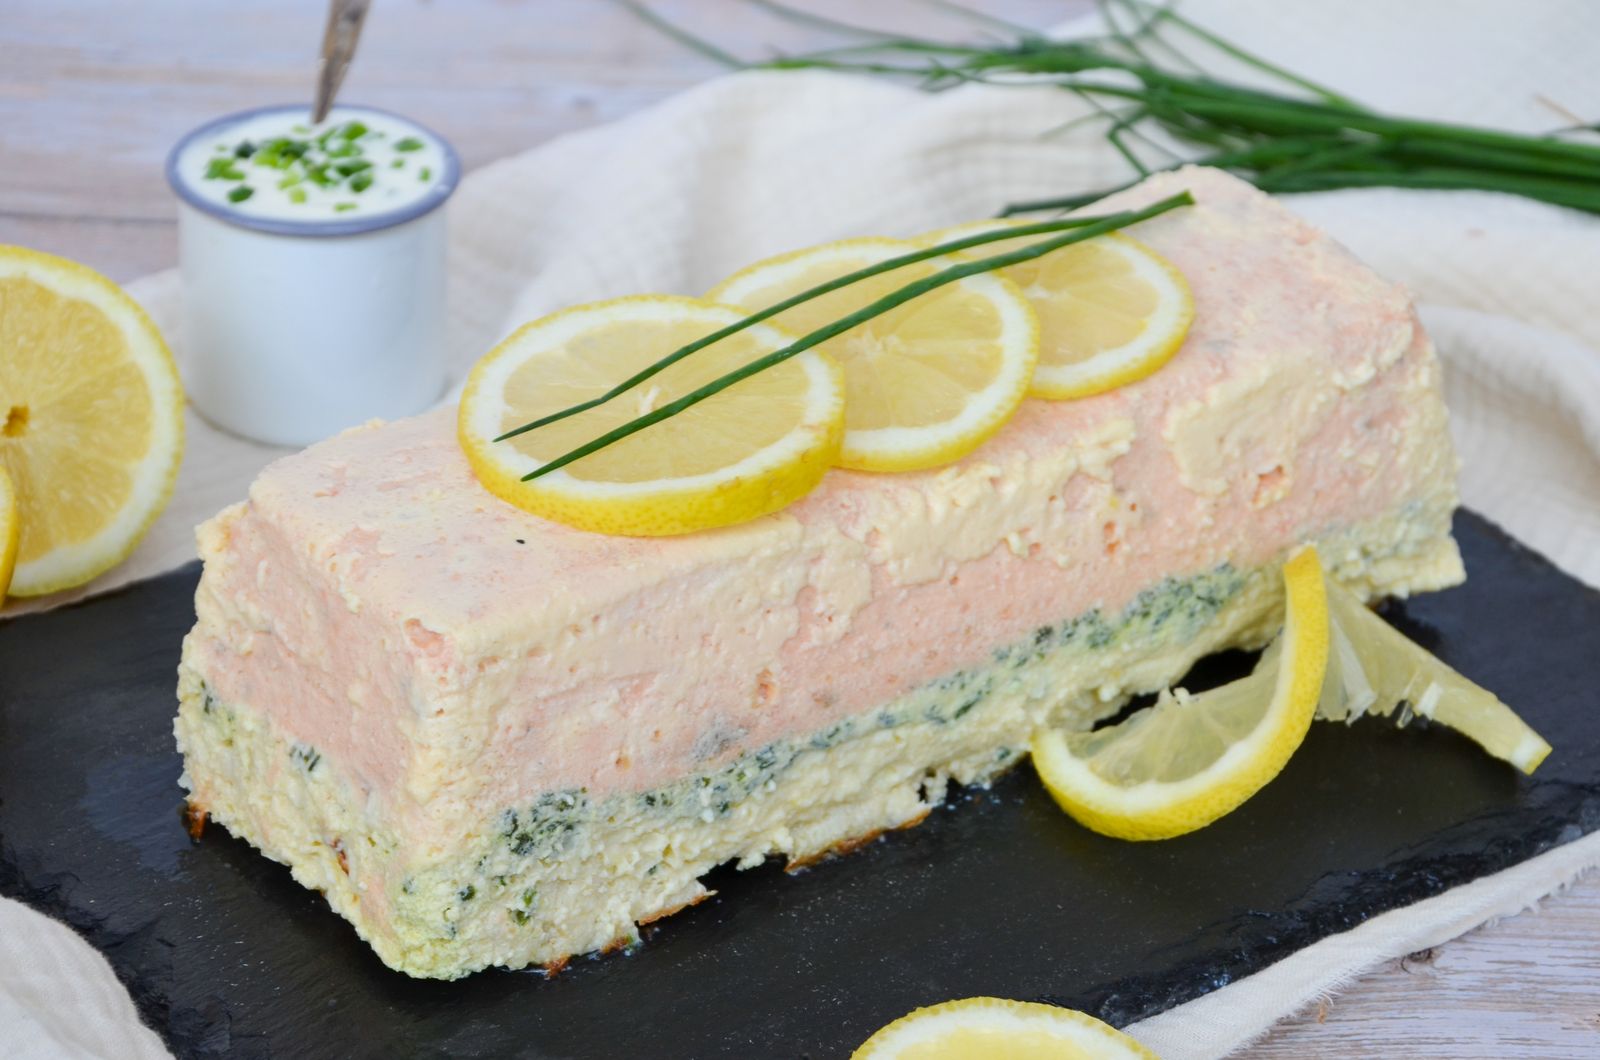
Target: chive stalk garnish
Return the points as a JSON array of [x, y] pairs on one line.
[[1157, 98], [915, 289], [241, 193], [887, 265]]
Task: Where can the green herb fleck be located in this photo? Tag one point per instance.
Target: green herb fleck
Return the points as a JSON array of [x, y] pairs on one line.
[[398, 163], [245, 149], [353, 130], [467, 893], [223, 169], [425, 174], [410, 143], [343, 207], [297, 195], [241, 193], [360, 182], [301, 129]]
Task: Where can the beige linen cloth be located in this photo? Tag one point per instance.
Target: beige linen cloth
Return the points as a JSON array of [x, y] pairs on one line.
[[674, 197]]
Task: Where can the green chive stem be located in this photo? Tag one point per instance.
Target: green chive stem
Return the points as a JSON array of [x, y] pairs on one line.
[[1303, 137], [887, 265], [873, 309]]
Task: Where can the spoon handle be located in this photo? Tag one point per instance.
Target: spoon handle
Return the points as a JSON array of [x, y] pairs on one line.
[[345, 18]]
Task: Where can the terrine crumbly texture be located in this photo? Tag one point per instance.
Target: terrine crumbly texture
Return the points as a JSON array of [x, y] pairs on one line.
[[494, 740]]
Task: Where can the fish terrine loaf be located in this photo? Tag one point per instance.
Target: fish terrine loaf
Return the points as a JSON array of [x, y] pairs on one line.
[[494, 740]]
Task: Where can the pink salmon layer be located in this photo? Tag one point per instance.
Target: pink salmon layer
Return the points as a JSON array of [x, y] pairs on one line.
[[453, 654]]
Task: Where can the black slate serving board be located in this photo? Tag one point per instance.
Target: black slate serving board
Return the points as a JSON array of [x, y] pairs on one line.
[[998, 894]]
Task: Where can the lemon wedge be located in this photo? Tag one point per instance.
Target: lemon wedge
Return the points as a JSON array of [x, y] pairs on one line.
[[755, 447], [1373, 668], [986, 1028], [91, 419], [1190, 759], [10, 527], [1111, 310], [928, 381]]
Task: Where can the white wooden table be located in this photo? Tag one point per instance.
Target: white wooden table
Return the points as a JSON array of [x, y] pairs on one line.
[[93, 91]]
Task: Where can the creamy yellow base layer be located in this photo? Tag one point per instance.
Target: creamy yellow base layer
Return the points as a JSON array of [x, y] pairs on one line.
[[569, 873]]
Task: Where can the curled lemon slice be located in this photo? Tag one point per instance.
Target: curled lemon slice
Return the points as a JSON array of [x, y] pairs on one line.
[[926, 382], [91, 419], [749, 450], [984, 1028], [1111, 310], [10, 527], [1190, 759], [1373, 668]]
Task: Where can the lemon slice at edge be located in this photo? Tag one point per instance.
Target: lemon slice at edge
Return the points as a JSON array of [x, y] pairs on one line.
[[10, 527], [51, 421], [1372, 667], [979, 1028], [753, 482], [1161, 809]]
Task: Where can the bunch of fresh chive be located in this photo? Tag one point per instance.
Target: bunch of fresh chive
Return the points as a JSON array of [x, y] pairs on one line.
[[1147, 90]]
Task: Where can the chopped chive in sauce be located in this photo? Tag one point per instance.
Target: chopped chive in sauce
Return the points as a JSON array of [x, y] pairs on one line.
[[344, 160], [223, 169]]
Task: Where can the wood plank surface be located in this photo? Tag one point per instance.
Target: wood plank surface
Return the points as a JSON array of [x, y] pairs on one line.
[[93, 91]]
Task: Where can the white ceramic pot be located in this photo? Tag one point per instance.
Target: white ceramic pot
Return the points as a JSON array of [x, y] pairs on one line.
[[298, 326]]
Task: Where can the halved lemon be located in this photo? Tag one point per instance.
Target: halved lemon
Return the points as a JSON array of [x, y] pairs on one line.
[[10, 526], [1373, 668], [928, 381], [1111, 310], [747, 451], [91, 419], [1190, 759], [989, 1028]]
